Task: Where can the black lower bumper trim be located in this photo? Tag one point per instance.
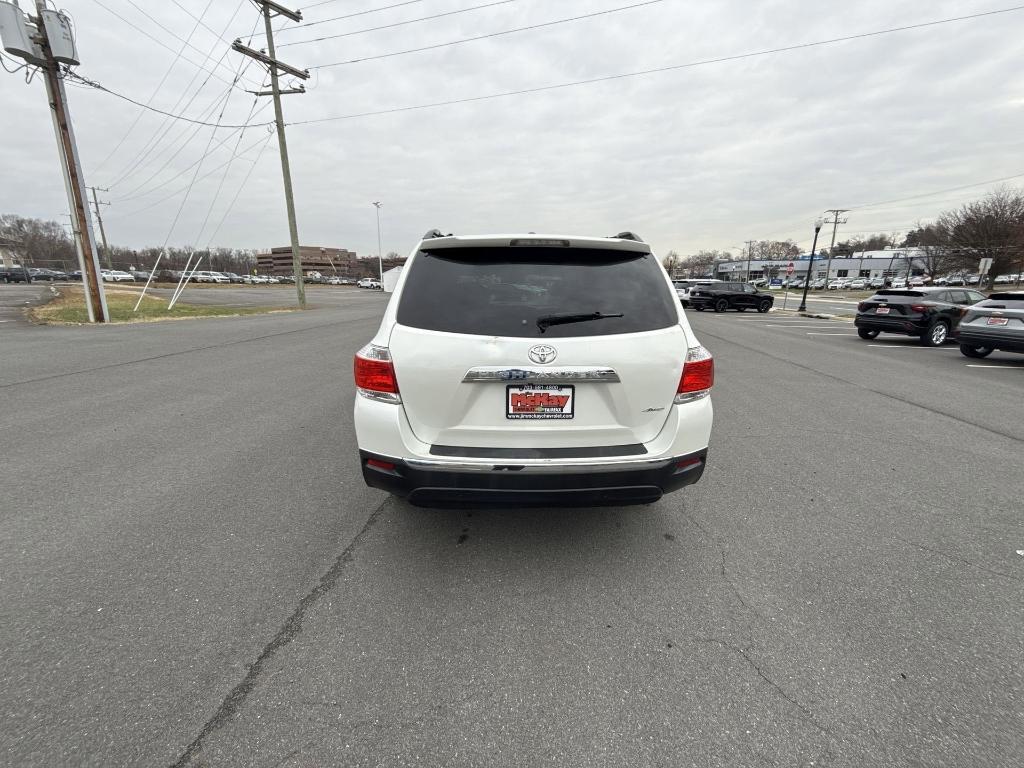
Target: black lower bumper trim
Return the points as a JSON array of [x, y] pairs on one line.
[[509, 486]]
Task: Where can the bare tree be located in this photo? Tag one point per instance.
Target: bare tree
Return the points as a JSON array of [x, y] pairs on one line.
[[774, 250], [672, 262], [991, 227]]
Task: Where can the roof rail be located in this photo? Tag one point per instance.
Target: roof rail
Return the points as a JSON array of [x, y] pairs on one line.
[[435, 233], [628, 236]]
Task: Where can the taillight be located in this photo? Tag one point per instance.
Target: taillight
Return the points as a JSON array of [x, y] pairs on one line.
[[918, 307], [862, 307], [375, 374], [698, 376]]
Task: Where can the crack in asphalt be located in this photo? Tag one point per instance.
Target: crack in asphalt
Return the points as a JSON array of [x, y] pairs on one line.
[[959, 560], [764, 676], [288, 631], [180, 352], [834, 377]]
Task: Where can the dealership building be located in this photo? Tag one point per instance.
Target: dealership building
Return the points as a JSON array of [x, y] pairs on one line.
[[896, 262]]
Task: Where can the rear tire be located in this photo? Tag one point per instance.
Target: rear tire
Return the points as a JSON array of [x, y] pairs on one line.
[[936, 335], [721, 305], [764, 306], [864, 333], [971, 350]]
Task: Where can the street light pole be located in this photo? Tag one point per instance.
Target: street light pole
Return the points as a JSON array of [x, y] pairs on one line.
[[380, 257], [810, 266]]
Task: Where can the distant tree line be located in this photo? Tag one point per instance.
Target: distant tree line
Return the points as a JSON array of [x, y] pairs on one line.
[[992, 227], [43, 243]]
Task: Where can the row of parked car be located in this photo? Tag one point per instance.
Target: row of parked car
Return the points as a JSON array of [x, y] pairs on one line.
[[938, 314], [21, 274], [933, 314]]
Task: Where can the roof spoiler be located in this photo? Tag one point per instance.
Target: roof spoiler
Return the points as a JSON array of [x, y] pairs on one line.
[[628, 236], [431, 234]]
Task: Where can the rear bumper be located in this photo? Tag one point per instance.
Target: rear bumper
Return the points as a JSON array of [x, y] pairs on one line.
[[453, 484], [1004, 341], [891, 325]]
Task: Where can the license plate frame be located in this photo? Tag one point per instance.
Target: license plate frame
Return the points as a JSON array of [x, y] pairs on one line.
[[997, 321], [547, 410], [882, 311]]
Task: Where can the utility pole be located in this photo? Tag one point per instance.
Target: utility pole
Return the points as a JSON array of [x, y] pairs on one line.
[[380, 257], [273, 65], [47, 42], [99, 219], [750, 246], [835, 221]]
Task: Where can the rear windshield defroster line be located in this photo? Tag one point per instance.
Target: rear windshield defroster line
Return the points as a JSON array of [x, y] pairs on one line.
[[501, 291]]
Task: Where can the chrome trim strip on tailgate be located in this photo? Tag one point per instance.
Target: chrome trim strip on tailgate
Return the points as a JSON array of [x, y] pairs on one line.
[[563, 375], [539, 466]]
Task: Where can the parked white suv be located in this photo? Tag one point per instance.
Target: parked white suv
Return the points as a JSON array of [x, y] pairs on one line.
[[533, 369], [206, 276]]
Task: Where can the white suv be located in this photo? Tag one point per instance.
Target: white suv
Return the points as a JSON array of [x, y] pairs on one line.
[[533, 369], [206, 276]]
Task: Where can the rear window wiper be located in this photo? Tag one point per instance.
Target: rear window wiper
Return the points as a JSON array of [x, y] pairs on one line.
[[546, 321]]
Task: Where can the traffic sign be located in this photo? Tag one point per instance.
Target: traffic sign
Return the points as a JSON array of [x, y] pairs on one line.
[[984, 265]]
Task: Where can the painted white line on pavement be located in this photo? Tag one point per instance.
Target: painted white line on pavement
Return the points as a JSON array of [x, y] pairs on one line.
[[1000, 367], [812, 333], [791, 325], [906, 346]]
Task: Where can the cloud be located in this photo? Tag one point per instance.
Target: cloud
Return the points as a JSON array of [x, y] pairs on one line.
[[695, 158]]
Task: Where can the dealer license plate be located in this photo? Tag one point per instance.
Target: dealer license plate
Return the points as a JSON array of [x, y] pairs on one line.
[[539, 401], [882, 311], [997, 321]]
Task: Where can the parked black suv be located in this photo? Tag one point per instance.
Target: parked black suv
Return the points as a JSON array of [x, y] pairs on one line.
[[931, 314], [15, 274], [723, 296]]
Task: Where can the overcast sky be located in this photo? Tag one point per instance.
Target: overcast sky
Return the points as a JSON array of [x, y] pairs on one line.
[[704, 157]]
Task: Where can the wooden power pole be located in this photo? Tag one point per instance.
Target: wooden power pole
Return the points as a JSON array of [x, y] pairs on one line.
[[271, 10], [95, 300], [96, 203]]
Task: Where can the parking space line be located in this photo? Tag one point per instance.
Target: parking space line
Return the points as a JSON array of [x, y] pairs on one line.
[[907, 346], [1000, 367], [813, 333], [792, 325]]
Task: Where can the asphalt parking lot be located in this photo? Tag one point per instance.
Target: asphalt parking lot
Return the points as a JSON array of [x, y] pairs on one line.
[[195, 575]]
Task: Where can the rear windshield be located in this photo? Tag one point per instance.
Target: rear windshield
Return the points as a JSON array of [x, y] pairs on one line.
[[505, 291], [898, 292], [1007, 297]]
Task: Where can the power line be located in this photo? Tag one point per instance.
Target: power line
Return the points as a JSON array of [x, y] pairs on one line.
[[491, 34], [131, 194], [98, 87], [241, 186], [157, 40], [177, 191], [673, 67], [398, 23], [939, 192], [353, 15], [156, 90], [166, 126]]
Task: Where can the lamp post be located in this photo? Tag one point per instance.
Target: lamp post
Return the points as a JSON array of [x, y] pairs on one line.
[[380, 258], [803, 301]]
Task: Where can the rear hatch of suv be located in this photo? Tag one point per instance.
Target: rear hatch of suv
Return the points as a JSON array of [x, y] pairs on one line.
[[503, 346]]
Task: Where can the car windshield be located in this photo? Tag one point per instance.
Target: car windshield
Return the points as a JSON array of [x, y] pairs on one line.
[[501, 291]]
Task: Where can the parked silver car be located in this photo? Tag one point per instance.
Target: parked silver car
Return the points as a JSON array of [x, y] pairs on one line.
[[997, 323]]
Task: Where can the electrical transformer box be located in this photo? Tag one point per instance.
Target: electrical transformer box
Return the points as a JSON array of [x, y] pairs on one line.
[[62, 41], [16, 35]]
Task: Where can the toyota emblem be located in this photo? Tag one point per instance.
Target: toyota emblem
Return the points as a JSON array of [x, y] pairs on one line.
[[542, 353]]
